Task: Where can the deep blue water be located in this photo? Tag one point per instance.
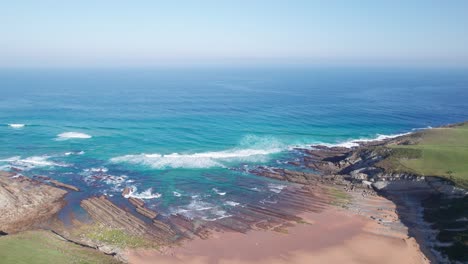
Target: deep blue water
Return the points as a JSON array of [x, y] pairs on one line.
[[183, 137]]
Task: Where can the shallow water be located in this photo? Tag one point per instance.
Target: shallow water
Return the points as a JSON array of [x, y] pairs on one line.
[[183, 138]]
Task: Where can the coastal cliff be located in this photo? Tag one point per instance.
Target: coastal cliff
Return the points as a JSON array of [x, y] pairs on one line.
[[424, 173]]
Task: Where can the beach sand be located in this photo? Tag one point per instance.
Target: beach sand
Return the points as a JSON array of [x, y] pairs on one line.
[[333, 236]]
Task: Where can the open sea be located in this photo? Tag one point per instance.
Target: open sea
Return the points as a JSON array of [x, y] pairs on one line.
[[184, 138]]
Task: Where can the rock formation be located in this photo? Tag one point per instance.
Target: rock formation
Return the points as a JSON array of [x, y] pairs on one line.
[[25, 202]]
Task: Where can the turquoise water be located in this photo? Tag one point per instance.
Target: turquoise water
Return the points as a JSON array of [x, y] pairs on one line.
[[184, 138]]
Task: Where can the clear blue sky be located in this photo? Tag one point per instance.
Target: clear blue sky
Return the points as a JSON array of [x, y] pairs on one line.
[[150, 32]]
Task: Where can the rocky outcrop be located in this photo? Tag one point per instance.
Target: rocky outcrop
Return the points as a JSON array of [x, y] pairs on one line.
[[136, 202], [105, 212], [64, 185], [146, 212], [25, 202], [139, 205], [375, 164], [286, 175]]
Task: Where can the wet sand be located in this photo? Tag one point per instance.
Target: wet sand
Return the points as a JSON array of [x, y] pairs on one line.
[[333, 236]]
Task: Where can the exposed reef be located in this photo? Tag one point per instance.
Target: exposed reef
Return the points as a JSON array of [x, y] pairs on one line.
[[25, 202]]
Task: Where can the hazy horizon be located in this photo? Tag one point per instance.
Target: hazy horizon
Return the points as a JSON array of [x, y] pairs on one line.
[[118, 33]]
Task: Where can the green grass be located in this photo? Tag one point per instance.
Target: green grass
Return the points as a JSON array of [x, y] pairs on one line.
[[116, 237], [339, 197], [440, 152], [43, 247]]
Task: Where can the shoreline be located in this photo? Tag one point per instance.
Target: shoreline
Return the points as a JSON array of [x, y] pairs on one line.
[[348, 210], [332, 236]]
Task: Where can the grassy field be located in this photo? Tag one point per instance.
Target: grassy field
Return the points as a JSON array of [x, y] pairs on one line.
[[116, 237], [37, 247], [440, 152], [339, 197]]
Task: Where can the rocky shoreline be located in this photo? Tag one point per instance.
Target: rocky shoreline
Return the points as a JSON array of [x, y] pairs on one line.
[[25, 202], [359, 169], [352, 178]]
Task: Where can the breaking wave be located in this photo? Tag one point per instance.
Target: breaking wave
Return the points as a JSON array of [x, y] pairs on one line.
[[196, 160], [218, 192], [148, 194], [74, 153], [31, 162], [71, 135], [251, 149], [355, 142], [16, 125]]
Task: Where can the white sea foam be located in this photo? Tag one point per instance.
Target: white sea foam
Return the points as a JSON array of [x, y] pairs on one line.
[[218, 214], [96, 177], [148, 194], [218, 192], [115, 180], [31, 162], [251, 149], [99, 169], [71, 135], [264, 201], [74, 153], [16, 125], [196, 160], [231, 203], [200, 209], [355, 142], [176, 194], [276, 188]]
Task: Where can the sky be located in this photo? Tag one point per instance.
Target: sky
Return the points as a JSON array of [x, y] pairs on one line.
[[151, 32]]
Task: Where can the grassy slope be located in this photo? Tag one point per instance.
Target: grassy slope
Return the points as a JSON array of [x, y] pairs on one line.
[[37, 247], [441, 152]]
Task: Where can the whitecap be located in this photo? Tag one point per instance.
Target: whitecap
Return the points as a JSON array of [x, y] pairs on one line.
[[16, 125], [148, 194], [176, 194], [72, 135], [218, 192], [74, 153]]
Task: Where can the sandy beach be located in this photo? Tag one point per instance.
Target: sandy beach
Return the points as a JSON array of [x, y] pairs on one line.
[[333, 236]]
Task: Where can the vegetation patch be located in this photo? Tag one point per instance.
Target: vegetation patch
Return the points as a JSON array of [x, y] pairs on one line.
[[339, 197], [440, 152], [116, 237], [44, 247]]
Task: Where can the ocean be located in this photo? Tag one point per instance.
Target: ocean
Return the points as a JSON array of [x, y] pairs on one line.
[[184, 139]]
